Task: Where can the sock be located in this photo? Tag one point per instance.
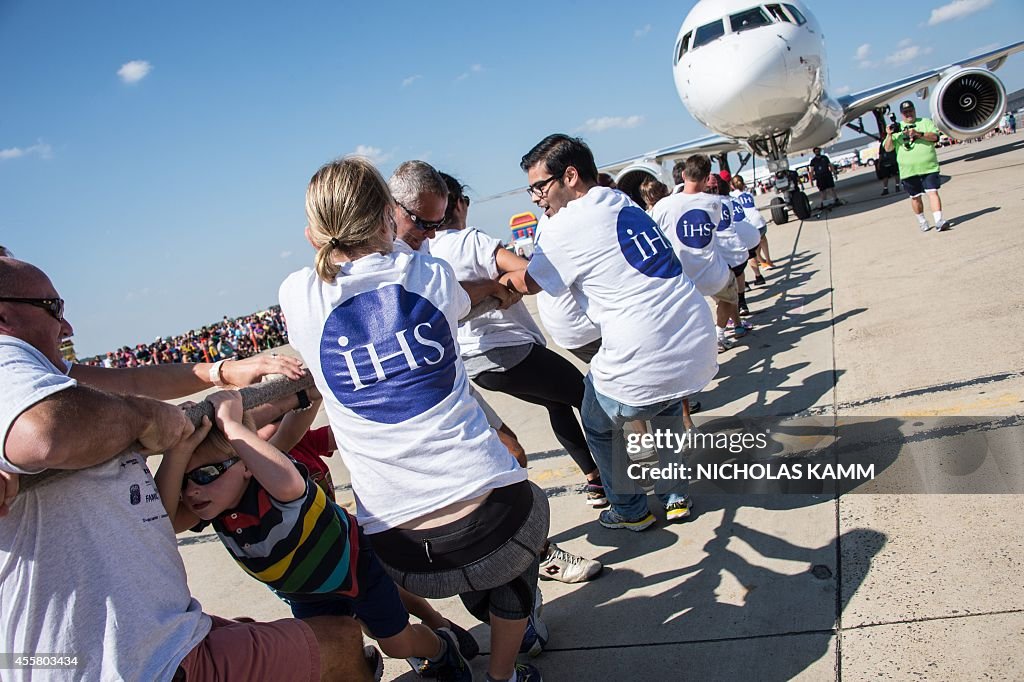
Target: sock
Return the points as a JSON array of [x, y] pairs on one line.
[[921, 219], [721, 332], [938, 217], [441, 653]]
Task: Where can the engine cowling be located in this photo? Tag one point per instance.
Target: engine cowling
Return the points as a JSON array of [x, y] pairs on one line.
[[968, 103], [631, 177]]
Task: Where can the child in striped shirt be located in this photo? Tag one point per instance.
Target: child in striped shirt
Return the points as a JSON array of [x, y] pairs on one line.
[[284, 531]]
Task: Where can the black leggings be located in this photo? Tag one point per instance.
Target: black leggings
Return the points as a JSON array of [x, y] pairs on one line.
[[546, 378]]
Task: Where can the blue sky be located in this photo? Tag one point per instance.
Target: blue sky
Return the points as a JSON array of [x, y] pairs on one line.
[[154, 156]]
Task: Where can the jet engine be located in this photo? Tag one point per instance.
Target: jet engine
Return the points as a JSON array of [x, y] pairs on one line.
[[968, 103], [632, 176]]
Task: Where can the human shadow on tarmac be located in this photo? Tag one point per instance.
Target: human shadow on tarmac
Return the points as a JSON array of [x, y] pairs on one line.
[[718, 610], [975, 154], [957, 221]]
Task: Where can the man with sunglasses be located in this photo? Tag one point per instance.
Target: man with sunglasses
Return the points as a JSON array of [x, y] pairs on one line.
[[89, 566], [658, 339], [421, 198]]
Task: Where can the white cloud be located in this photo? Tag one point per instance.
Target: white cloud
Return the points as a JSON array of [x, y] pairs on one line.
[[958, 9], [641, 32], [406, 82], [375, 155], [602, 123], [906, 54], [842, 90], [906, 42], [863, 51], [286, 254], [475, 68], [134, 71], [40, 149]]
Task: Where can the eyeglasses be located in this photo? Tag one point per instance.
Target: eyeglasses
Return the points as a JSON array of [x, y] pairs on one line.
[[208, 473], [424, 225], [539, 189], [54, 306]]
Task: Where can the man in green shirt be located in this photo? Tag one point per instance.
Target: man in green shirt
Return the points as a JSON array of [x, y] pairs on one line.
[[914, 141]]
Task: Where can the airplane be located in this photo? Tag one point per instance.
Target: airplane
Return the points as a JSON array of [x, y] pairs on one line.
[[756, 76]]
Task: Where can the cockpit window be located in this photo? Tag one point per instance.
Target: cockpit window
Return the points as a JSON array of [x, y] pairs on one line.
[[800, 19], [682, 47], [749, 18], [777, 13], [708, 32]]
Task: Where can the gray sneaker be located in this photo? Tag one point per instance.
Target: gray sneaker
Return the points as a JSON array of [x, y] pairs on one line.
[[567, 567]]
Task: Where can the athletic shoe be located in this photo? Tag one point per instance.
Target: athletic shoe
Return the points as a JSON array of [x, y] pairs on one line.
[[759, 280], [374, 661], [925, 227], [885, 191], [567, 567], [744, 310], [468, 646], [767, 264], [452, 666], [725, 344], [740, 331], [941, 226], [611, 519], [678, 511], [527, 673], [595, 495], [535, 638]]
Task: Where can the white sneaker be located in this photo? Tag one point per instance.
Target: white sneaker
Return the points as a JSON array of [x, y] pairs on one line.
[[925, 226], [940, 226], [567, 567]]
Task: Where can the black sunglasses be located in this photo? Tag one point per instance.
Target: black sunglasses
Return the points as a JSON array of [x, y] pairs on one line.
[[540, 188], [425, 225], [54, 306], [208, 473]]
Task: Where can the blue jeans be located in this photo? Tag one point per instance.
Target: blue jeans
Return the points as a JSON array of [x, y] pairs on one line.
[[603, 419]]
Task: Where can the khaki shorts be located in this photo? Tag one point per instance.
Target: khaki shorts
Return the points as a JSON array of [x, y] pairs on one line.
[[280, 650], [730, 293]]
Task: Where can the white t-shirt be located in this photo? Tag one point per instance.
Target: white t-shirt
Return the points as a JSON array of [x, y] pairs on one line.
[[658, 338], [380, 343], [470, 252], [746, 201], [729, 242], [746, 232], [689, 221], [563, 315], [88, 561]]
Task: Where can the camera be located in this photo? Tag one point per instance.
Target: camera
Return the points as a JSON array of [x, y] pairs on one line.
[[894, 126]]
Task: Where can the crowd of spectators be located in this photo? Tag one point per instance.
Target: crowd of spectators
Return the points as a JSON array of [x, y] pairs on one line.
[[236, 338]]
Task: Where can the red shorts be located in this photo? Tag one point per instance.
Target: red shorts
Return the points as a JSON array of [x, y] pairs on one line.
[[280, 650]]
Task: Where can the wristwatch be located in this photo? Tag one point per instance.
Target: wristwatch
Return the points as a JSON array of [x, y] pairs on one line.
[[304, 402]]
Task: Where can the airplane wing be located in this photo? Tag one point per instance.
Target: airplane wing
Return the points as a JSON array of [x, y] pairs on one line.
[[857, 104], [709, 144]]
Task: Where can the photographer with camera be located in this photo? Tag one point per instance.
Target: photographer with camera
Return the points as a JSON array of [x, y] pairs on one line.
[[914, 140]]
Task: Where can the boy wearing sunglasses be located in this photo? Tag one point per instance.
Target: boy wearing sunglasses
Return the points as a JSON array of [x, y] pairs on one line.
[[282, 530]]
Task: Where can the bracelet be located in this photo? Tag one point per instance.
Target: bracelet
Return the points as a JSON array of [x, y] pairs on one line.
[[304, 402], [215, 374]]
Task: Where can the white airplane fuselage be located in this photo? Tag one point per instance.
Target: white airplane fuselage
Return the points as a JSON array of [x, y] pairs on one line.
[[758, 80]]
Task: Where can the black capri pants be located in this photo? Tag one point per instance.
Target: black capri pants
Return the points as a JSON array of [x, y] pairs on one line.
[[546, 378]]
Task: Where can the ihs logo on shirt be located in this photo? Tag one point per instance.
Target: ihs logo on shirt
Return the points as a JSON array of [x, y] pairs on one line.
[[388, 354], [643, 245]]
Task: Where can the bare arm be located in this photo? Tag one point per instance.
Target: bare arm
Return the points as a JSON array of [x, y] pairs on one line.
[[165, 382], [508, 261], [81, 426], [171, 474], [294, 426], [274, 471], [9, 488], [887, 144], [520, 280]]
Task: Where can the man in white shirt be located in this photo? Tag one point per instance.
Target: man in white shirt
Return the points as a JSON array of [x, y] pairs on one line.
[[89, 566], [658, 341], [690, 219]]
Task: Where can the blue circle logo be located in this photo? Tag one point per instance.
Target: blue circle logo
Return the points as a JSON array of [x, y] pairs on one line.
[[643, 245], [695, 229], [738, 216], [388, 355], [726, 216], [746, 200]]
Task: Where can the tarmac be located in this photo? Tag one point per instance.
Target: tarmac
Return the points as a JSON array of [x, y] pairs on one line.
[[863, 318]]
